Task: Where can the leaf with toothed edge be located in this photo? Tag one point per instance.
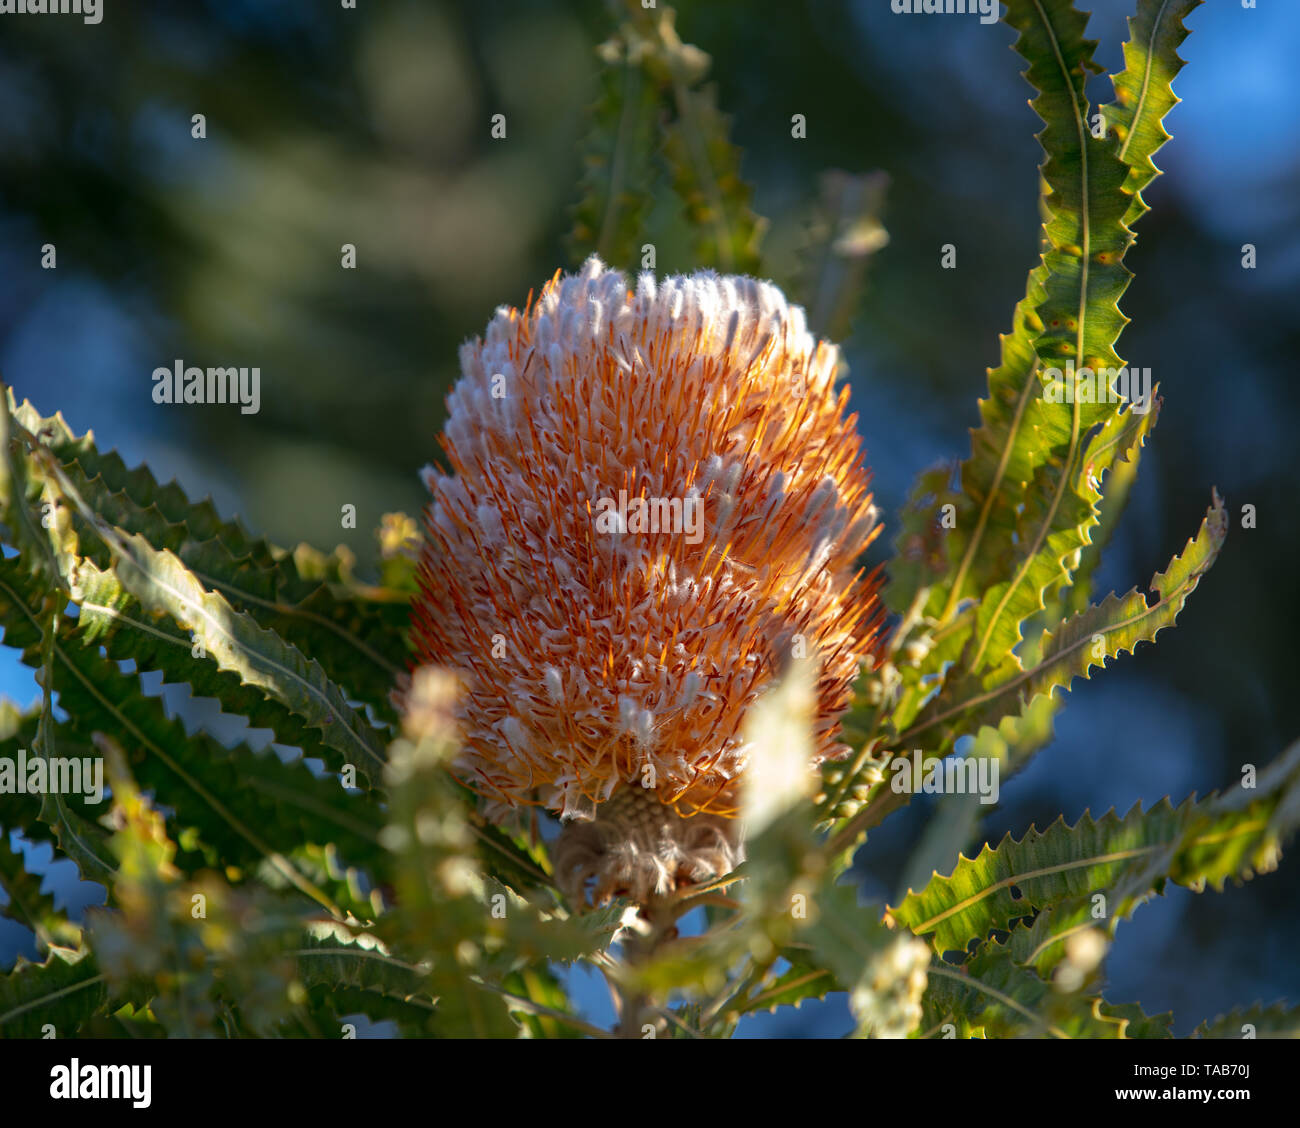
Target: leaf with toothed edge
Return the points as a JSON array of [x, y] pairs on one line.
[[1111, 462], [29, 905], [994, 996], [164, 586], [1114, 626], [113, 618], [619, 169], [1078, 316], [1231, 835], [1007, 1000], [801, 981], [248, 806], [1144, 91], [64, 820], [355, 632], [1259, 1021], [702, 161], [294, 690], [1024, 451], [706, 175], [333, 957], [63, 992]]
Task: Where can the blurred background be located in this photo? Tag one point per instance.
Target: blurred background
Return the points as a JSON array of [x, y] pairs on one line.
[[328, 126]]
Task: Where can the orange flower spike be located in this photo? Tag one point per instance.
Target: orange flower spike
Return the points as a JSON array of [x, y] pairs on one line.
[[706, 401]]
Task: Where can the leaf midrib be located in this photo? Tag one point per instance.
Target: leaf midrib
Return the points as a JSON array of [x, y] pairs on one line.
[[1084, 272]]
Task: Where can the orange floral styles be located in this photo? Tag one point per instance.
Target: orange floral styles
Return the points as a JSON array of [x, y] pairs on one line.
[[654, 498]]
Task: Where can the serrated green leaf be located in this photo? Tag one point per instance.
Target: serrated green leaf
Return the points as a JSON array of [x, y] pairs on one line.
[[29, 905], [247, 806], [112, 618], [618, 156], [1112, 627], [802, 980], [1029, 507], [29, 511], [993, 996], [956, 819], [1005, 452], [702, 162], [1144, 91], [260, 658], [356, 973], [1078, 316], [18, 731], [26, 615], [1115, 452], [705, 169], [1232, 835], [1259, 1021], [355, 632], [63, 992]]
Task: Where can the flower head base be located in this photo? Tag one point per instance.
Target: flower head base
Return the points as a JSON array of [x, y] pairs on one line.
[[655, 497], [638, 848]]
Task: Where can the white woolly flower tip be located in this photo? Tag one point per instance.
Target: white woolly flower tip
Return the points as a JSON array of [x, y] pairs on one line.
[[580, 308], [600, 654]]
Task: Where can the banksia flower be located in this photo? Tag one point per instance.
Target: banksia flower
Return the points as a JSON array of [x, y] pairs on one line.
[[654, 499]]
